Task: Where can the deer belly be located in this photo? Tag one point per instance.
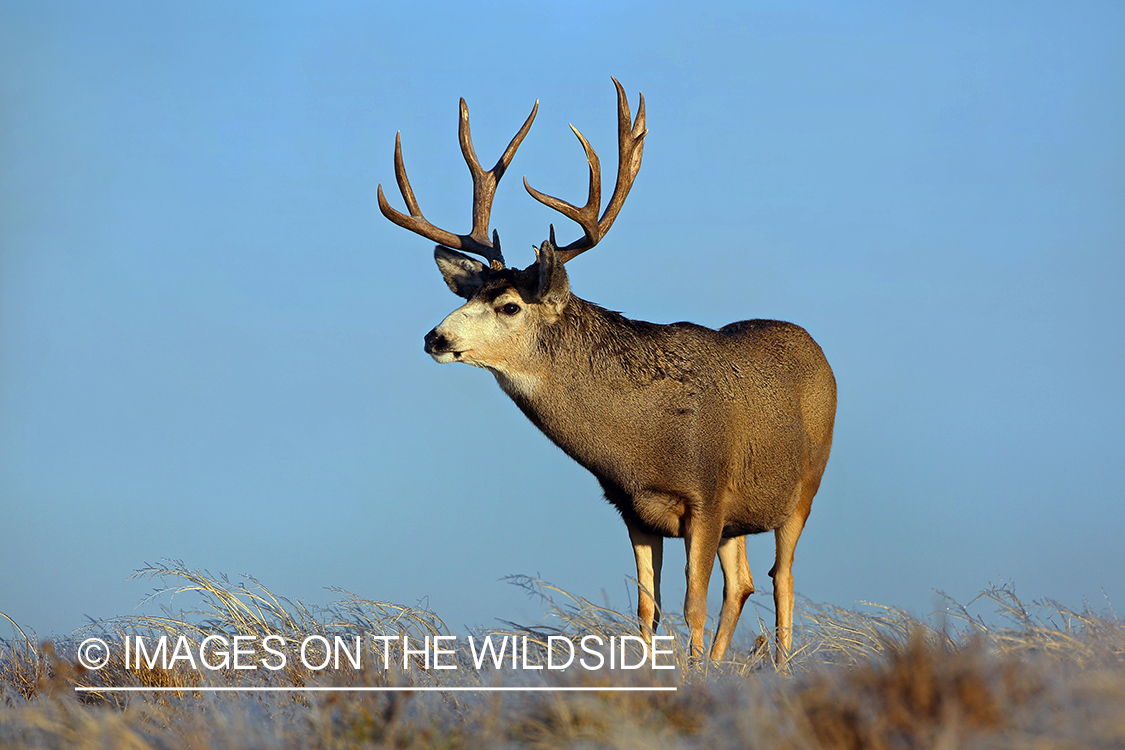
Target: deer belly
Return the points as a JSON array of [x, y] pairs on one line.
[[755, 515]]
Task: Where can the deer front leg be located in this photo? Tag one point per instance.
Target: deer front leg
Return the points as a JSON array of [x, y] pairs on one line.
[[738, 584], [649, 551], [701, 538]]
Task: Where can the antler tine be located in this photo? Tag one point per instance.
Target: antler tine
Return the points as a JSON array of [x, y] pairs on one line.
[[630, 146], [415, 222], [586, 216], [484, 189], [485, 182]]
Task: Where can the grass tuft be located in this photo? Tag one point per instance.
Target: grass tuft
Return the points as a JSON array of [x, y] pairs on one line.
[[1015, 675]]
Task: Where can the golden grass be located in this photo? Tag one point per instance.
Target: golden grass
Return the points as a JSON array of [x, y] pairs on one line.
[[1019, 675]]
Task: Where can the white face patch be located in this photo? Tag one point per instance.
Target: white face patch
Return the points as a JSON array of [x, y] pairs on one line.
[[443, 357], [517, 383], [493, 334]]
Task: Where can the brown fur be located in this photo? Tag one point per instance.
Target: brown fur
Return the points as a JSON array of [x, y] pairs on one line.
[[693, 433]]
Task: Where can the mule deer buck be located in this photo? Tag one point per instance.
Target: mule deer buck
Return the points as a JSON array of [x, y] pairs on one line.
[[694, 433]]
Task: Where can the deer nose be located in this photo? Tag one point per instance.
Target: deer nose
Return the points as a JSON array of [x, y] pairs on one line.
[[434, 341]]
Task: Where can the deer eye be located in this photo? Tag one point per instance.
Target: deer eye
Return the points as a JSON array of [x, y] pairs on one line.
[[510, 309]]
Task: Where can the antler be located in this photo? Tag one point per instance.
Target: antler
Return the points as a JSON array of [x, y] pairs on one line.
[[630, 145], [484, 189]]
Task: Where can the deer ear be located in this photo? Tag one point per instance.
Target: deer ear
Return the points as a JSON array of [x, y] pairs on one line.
[[553, 288], [463, 275]]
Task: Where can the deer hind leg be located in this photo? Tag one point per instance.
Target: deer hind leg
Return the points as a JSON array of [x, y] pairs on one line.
[[782, 574], [649, 551], [738, 584]]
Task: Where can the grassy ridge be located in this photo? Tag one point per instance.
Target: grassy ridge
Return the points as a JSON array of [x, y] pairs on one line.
[[1045, 677]]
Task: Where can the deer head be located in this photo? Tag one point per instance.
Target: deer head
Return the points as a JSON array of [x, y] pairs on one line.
[[505, 306]]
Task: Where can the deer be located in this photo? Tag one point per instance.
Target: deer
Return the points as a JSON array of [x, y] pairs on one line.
[[693, 433]]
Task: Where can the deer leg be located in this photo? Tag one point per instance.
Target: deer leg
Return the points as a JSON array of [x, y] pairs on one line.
[[782, 573], [649, 551], [701, 538], [738, 584]]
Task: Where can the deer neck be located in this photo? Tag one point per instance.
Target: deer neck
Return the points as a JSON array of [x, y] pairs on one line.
[[578, 382]]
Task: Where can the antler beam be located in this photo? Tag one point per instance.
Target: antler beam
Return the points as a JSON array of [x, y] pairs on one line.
[[630, 146], [484, 190]]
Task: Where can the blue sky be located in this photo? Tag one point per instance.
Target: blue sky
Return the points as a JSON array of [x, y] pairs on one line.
[[211, 341]]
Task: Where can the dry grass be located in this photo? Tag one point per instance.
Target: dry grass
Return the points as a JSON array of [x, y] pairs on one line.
[[1015, 676]]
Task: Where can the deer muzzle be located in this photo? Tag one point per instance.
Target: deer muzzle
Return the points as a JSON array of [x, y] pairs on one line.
[[438, 347]]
